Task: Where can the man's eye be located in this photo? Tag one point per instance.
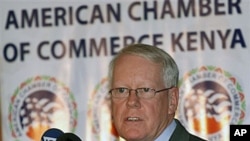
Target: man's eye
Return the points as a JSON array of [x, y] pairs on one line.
[[122, 90], [146, 90]]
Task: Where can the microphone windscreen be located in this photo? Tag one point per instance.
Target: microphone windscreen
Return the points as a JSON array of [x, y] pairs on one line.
[[68, 137], [51, 134]]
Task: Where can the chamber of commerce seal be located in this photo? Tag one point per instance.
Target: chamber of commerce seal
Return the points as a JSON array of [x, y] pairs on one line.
[[40, 103], [210, 100], [100, 125]]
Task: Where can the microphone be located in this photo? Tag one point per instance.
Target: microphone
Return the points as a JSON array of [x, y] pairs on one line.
[[68, 137], [51, 134]]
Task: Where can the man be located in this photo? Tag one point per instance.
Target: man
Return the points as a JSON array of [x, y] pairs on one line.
[[144, 95]]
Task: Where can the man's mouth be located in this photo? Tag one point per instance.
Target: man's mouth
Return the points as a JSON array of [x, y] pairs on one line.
[[133, 119]]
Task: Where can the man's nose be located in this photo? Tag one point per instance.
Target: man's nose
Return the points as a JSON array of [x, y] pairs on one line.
[[133, 100]]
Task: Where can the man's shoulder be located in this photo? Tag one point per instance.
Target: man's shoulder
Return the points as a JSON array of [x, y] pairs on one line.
[[180, 133], [195, 138]]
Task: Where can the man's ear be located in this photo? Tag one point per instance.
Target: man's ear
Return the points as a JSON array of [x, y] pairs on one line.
[[173, 98]]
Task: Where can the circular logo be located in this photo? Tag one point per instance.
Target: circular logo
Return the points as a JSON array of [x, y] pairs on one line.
[[38, 104], [100, 125], [210, 100]]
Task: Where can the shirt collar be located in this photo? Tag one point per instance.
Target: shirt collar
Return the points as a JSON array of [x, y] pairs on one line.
[[166, 134]]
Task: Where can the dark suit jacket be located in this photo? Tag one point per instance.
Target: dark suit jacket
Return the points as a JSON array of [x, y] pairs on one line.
[[181, 134]]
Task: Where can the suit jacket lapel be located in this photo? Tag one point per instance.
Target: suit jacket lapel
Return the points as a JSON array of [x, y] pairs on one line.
[[180, 133]]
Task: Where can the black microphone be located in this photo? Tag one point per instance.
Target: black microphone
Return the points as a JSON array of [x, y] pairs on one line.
[[51, 134], [68, 137]]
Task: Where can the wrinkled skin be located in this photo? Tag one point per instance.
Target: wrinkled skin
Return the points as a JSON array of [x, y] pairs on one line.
[[152, 115]]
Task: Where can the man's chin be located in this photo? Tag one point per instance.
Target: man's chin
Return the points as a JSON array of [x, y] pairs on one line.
[[134, 135]]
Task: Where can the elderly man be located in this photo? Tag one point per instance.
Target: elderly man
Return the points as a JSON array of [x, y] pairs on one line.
[[144, 95]]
